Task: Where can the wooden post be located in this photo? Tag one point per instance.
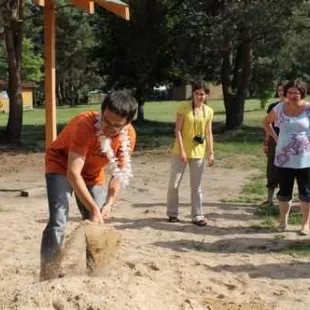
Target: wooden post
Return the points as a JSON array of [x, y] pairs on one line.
[[50, 72], [40, 2], [86, 5], [117, 7]]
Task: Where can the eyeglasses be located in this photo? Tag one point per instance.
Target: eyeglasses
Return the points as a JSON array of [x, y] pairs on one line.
[[114, 126]]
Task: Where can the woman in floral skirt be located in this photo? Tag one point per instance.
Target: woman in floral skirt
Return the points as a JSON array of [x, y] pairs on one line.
[[292, 155]]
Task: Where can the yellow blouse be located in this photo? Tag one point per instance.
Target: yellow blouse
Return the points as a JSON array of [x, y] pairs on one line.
[[193, 125]]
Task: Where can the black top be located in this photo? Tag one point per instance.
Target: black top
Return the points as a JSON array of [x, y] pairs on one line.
[[270, 107]]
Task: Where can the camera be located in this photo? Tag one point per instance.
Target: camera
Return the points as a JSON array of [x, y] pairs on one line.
[[199, 138]]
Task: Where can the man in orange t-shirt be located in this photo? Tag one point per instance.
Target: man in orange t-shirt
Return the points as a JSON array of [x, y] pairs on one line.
[[75, 162]]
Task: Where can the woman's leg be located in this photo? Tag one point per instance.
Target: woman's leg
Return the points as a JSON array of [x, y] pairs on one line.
[[285, 207], [303, 181], [286, 184], [305, 210], [176, 174], [196, 167], [272, 172]]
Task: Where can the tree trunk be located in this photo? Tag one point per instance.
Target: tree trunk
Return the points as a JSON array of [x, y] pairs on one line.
[[59, 94], [13, 32], [140, 95], [235, 90], [140, 116]]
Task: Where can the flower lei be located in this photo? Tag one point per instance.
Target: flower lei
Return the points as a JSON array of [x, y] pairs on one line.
[[123, 174]]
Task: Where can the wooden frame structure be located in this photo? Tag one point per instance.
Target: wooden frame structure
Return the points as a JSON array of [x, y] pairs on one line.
[[115, 6]]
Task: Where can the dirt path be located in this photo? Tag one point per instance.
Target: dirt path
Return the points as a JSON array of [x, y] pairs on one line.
[[230, 264]]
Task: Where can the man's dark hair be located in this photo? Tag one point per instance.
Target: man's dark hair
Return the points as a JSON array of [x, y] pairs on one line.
[[301, 86], [122, 103]]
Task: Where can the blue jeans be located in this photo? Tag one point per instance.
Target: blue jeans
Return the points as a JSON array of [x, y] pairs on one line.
[[59, 192]]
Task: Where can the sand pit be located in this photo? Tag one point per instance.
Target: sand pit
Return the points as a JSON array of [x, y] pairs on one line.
[[230, 264]]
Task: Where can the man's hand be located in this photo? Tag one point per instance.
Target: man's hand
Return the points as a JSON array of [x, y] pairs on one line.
[[96, 216], [106, 211]]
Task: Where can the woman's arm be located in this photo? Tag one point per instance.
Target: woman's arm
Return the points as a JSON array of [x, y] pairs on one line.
[[210, 143], [178, 135], [267, 124]]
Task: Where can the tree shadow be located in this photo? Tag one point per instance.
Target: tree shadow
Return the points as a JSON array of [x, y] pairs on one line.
[[235, 245], [246, 111], [187, 227], [249, 208], [32, 140], [245, 134], [278, 271]]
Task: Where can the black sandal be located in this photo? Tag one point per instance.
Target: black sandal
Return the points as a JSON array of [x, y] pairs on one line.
[[173, 219]]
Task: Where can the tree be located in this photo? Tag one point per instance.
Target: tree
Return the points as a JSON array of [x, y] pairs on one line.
[[77, 71], [136, 54], [234, 31], [31, 66], [264, 74], [294, 57], [13, 21]]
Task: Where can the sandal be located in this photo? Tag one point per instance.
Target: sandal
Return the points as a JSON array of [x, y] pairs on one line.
[[266, 203], [173, 219], [304, 232], [201, 222], [282, 227]]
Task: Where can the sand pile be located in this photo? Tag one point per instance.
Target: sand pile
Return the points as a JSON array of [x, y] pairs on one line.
[[97, 242]]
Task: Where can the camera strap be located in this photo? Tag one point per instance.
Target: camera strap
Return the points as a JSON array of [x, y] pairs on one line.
[[195, 119]]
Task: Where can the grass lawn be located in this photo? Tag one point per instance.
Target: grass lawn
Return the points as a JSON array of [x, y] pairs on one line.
[[156, 132]]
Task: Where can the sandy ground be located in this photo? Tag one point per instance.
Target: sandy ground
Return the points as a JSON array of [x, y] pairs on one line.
[[229, 264]]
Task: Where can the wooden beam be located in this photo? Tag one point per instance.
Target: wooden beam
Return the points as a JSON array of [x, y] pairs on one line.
[[117, 7], [86, 5], [50, 72], [40, 2]]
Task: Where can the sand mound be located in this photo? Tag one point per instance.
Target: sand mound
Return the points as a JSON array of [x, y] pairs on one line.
[[99, 242]]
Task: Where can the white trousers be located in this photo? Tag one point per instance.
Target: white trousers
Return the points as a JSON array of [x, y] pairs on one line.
[[196, 168]]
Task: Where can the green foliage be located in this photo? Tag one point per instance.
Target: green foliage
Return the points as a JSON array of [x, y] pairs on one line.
[[32, 62], [264, 74], [137, 54], [31, 69], [294, 56], [77, 71]]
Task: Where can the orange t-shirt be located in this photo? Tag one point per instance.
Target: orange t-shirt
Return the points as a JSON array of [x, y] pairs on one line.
[[79, 136]]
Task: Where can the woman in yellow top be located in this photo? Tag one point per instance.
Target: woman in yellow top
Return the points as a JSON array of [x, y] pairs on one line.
[[194, 140]]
